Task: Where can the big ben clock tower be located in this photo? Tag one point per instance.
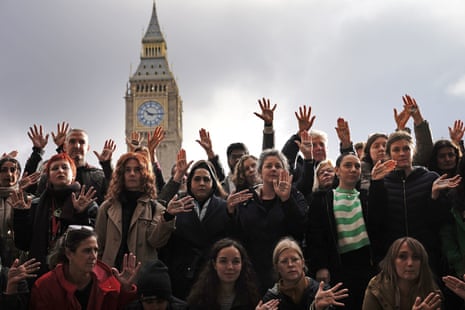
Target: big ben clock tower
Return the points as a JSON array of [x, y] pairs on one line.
[[152, 97]]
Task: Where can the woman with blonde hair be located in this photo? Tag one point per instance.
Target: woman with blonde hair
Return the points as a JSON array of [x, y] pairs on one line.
[[294, 289], [405, 281]]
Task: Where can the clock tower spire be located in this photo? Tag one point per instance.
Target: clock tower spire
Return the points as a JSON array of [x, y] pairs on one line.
[[152, 96]]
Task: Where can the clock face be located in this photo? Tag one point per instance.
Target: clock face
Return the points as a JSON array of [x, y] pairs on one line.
[[150, 113]]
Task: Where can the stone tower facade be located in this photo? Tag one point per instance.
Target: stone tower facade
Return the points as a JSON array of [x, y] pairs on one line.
[[152, 97]]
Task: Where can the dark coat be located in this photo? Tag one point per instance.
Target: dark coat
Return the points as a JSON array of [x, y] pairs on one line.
[[402, 206], [260, 228], [32, 226], [189, 245], [286, 303]]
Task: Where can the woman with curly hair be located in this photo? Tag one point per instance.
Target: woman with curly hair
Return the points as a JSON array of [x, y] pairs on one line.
[[245, 173], [131, 220], [405, 281], [227, 281]]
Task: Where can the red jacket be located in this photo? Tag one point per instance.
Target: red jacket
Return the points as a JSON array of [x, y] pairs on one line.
[[53, 291]]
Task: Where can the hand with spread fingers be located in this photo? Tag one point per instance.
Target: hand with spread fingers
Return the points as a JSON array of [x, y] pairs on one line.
[[60, 137], [19, 201], [182, 166], [85, 198], [183, 205], [108, 149], [304, 118], [237, 198], [267, 111], [456, 132], [135, 141], [455, 285], [431, 302], [18, 272], [410, 104], [128, 275], [272, 304], [36, 134], [381, 169], [154, 140], [330, 297], [28, 179], [443, 182]]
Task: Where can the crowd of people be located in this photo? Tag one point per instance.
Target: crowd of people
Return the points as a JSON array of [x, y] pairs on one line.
[[380, 227]]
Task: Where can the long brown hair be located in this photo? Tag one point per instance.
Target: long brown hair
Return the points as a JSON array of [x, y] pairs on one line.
[[117, 179], [425, 283]]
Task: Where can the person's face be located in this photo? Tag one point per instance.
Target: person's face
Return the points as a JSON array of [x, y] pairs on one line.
[[77, 145], [349, 171], [401, 152], [228, 265], [290, 266], [154, 304], [201, 184], [378, 149], [84, 258], [272, 167], [446, 158], [60, 174], [250, 171], [407, 264], [234, 157], [325, 176], [319, 149], [9, 174], [133, 175]]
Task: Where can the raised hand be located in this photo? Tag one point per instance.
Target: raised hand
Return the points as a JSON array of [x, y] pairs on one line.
[[456, 132], [381, 169], [28, 180], [282, 187], [108, 149], [410, 104], [330, 297], [305, 145], [181, 166], [401, 118], [304, 118], [36, 134], [431, 302], [18, 272], [135, 141], [183, 205], [154, 140], [60, 137], [85, 198], [205, 142], [11, 154], [18, 201], [237, 198], [128, 275], [267, 111], [343, 132]]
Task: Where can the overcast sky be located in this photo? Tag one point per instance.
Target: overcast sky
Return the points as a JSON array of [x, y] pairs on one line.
[[70, 61]]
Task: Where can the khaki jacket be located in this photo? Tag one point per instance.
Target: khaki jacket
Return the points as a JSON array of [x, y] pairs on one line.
[[146, 233]]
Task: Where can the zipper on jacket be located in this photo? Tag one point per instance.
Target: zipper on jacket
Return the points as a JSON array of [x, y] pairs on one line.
[[405, 209]]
